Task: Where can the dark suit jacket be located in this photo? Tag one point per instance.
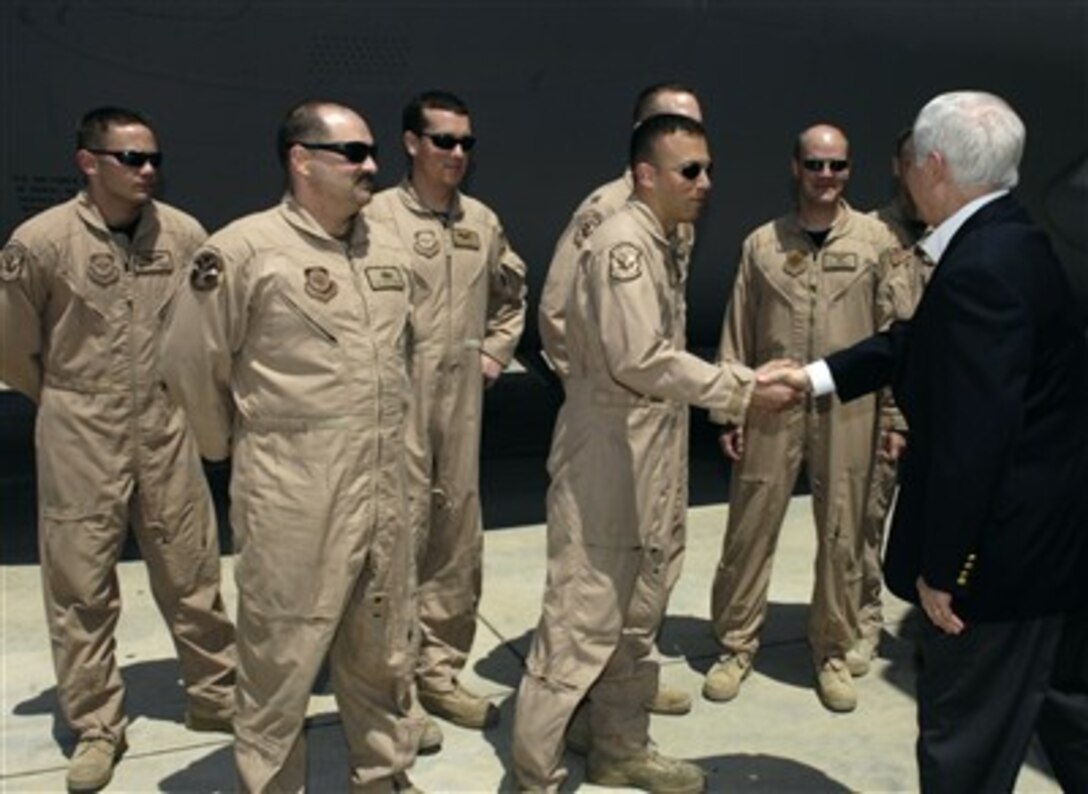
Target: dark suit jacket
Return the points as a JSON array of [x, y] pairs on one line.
[[992, 377]]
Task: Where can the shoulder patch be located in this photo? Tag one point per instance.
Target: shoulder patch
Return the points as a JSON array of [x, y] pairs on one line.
[[466, 238], [897, 257], [207, 270], [320, 285], [103, 269], [385, 278], [625, 262], [426, 243], [585, 225], [13, 261]]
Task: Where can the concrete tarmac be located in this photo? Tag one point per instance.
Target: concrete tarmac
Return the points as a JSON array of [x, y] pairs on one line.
[[775, 737]]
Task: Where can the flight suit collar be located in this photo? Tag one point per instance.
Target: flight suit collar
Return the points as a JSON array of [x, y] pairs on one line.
[[300, 219], [669, 244], [89, 214], [649, 221], [407, 192], [841, 227]]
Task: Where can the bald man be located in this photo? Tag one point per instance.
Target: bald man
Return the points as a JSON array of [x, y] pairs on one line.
[[806, 285]]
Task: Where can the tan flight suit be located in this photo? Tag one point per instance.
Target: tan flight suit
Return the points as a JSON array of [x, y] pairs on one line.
[[81, 317], [468, 298], [289, 352], [617, 504], [896, 300], [552, 313], [792, 300], [600, 204]]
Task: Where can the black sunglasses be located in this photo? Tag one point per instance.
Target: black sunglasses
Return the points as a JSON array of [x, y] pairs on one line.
[[817, 165], [352, 151], [132, 159], [691, 171], [448, 142]]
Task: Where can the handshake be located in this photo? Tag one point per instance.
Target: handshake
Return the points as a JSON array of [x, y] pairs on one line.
[[780, 384]]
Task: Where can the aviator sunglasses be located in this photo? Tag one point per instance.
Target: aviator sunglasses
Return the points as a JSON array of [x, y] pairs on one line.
[[816, 165], [691, 171], [448, 142], [352, 151], [132, 159]]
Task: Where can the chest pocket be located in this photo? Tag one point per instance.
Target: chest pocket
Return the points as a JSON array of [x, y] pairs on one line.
[[844, 271], [156, 277], [469, 257], [97, 284], [313, 297], [387, 295]]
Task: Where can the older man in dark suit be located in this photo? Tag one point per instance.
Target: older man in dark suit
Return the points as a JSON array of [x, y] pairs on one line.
[[990, 534]]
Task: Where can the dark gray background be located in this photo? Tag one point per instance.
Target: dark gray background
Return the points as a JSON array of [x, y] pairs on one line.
[[550, 85]]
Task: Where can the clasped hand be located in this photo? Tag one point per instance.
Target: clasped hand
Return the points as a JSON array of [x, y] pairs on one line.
[[780, 384]]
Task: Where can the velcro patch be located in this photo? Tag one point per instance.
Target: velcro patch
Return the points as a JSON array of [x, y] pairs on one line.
[[103, 269], [426, 243], [839, 260], [207, 270], [625, 262], [897, 257], [13, 261], [320, 285], [586, 224], [466, 238], [796, 262], [385, 278], [150, 263]]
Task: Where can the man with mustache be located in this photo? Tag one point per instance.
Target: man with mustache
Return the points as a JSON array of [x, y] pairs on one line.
[[289, 350], [84, 287], [468, 314]]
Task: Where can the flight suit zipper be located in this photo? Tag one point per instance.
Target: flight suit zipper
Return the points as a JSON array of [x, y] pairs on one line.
[[378, 387]]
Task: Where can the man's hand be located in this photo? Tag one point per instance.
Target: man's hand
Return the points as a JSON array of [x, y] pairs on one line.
[[732, 442], [892, 444], [491, 370], [784, 372], [778, 386], [938, 607]]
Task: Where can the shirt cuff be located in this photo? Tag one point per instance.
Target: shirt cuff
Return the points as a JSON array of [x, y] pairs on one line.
[[819, 375]]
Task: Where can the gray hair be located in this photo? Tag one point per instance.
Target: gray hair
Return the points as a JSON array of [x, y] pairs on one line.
[[977, 134]]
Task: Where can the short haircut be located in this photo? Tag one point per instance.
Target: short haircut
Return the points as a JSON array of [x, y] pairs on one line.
[[303, 122], [646, 102], [412, 119], [799, 140], [978, 135], [648, 133], [94, 125]]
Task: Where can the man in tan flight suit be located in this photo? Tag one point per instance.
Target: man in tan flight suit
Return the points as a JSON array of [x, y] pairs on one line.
[[600, 204], [84, 288], [616, 506], [289, 350], [806, 285], [897, 299], [468, 314]]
